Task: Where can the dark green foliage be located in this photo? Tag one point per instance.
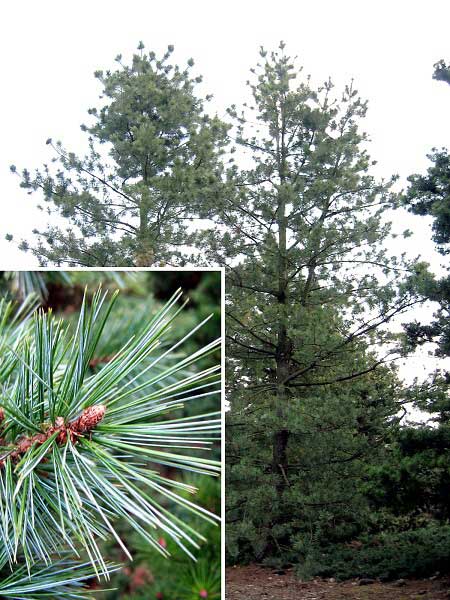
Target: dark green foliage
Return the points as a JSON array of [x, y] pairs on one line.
[[333, 435], [417, 553], [410, 484], [404, 531]]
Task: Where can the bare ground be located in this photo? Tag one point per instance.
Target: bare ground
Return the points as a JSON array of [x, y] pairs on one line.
[[257, 583]]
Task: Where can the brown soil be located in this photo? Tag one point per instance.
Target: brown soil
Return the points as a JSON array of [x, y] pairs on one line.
[[257, 583]]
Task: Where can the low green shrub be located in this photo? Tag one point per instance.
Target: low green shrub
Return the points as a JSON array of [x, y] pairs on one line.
[[416, 553]]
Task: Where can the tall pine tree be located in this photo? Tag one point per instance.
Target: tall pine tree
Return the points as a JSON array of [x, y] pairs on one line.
[[134, 208], [310, 289]]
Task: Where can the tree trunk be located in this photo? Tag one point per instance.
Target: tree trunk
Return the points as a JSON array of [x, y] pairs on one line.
[[144, 256], [145, 253], [283, 347]]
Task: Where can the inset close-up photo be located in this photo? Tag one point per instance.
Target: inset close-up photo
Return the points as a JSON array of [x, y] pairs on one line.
[[110, 434]]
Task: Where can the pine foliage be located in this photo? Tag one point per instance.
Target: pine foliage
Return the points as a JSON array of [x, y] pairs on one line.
[[77, 438], [152, 160]]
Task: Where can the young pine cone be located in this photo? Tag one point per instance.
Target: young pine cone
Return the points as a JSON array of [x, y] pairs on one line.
[[88, 418]]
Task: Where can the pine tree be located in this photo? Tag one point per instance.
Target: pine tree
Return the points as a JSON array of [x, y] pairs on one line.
[[78, 430], [429, 195], [310, 285], [131, 205]]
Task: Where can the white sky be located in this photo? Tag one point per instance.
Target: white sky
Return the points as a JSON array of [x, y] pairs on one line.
[[50, 50]]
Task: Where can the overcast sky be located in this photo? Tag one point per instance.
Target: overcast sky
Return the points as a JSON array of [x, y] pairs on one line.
[[50, 50]]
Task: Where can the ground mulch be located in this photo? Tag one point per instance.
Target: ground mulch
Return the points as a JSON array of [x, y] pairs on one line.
[[254, 582]]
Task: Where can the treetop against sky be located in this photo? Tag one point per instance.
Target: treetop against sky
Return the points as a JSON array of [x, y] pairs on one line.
[[393, 71]]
